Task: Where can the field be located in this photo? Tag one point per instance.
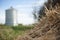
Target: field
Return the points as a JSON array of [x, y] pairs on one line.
[[11, 32]]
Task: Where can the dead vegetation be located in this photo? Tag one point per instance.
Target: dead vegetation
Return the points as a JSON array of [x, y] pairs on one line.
[[49, 26]]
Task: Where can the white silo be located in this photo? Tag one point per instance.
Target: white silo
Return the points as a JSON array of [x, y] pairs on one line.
[[11, 17]]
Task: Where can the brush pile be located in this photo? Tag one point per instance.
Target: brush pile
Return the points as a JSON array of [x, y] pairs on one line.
[[48, 27]]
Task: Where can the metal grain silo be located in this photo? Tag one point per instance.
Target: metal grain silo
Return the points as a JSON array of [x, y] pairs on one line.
[[11, 17]]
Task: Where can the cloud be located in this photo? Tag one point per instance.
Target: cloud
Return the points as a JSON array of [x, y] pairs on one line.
[[25, 14], [2, 16], [25, 19], [40, 3], [22, 6]]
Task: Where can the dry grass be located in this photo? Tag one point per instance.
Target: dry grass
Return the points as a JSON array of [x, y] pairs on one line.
[[48, 28], [11, 33]]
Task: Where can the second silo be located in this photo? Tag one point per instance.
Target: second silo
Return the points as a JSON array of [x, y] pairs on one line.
[[11, 17]]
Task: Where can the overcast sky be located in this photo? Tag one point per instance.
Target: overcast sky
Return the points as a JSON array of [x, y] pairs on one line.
[[24, 7]]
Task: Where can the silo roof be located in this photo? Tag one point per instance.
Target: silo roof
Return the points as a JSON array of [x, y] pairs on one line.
[[11, 8]]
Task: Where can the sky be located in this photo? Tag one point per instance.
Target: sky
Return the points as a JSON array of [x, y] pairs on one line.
[[24, 7]]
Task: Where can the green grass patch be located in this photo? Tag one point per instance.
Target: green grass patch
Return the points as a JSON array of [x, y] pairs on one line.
[[11, 32]]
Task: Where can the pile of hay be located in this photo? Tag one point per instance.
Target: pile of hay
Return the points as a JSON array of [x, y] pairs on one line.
[[49, 26]]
